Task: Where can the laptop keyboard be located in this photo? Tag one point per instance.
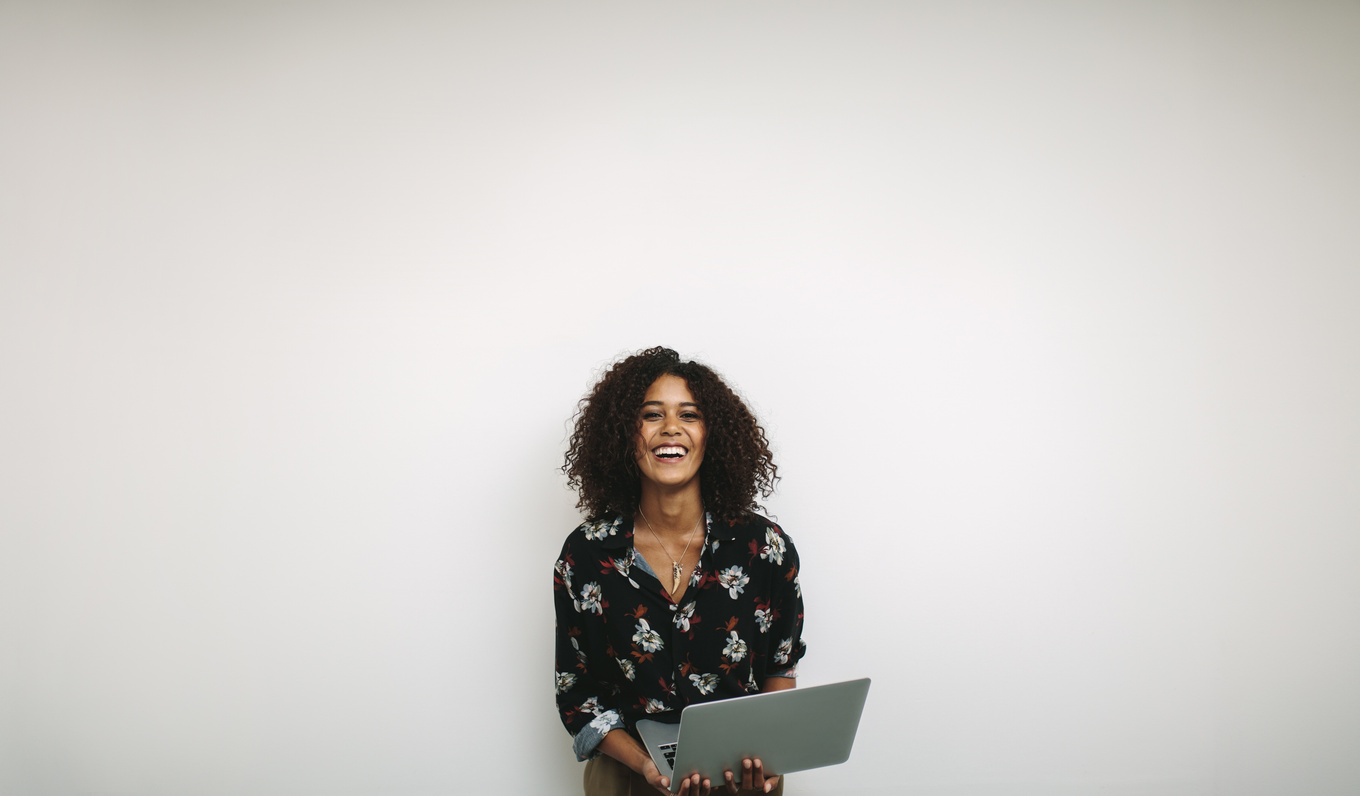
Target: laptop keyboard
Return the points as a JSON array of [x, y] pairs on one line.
[[668, 749]]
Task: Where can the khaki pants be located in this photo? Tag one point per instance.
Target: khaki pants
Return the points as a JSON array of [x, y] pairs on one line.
[[606, 776]]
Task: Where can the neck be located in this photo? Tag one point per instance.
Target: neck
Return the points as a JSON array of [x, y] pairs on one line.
[[673, 513]]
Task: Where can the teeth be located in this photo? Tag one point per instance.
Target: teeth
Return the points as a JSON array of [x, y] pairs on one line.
[[669, 450]]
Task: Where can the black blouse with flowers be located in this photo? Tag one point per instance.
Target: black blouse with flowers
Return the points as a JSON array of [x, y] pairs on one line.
[[626, 650]]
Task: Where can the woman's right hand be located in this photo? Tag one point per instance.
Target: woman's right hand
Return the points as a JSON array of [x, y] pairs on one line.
[[752, 779], [625, 748], [652, 774], [693, 785]]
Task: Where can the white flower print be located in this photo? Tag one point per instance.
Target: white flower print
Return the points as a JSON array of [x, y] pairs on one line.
[[773, 551], [625, 565], [645, 637], [682, 617], [753, 565], [763, 616], [601, 529], [564, 572], [735, 649], [605, 721], [733, 579], [797, 587], [591, 598], [696, 577]]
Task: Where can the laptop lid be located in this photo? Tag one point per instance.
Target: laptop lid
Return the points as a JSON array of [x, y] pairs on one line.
[[792, 730]]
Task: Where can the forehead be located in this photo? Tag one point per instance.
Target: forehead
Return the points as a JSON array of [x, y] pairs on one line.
[[669, 389]]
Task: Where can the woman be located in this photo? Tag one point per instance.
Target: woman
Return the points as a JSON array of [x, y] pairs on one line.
[[674, 591]]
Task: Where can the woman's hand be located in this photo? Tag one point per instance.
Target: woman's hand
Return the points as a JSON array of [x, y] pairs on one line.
[[624, 748], [653, 776], [753, 778], [695, 785]]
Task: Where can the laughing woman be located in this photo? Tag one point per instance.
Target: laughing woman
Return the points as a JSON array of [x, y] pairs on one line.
[[674, 591]]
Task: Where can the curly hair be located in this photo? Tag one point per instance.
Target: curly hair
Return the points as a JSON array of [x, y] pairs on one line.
[[599, 462]]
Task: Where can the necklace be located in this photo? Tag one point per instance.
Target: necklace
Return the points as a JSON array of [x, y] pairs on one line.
[[676, 569]]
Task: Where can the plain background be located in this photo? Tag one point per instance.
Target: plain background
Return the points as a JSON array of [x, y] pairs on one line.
[[1051, 310]]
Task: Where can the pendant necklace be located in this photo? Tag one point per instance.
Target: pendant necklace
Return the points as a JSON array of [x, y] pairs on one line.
[[676, 569]]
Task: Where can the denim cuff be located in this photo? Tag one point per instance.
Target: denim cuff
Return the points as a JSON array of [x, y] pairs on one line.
[[586, 743]]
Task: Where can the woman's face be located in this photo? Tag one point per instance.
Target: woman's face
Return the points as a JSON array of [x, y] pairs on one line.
[[670, 438]]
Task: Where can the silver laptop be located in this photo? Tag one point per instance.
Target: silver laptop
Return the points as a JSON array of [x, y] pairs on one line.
[[791, 730]]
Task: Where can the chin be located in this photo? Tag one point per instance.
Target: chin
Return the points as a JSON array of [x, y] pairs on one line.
[[673, 480]]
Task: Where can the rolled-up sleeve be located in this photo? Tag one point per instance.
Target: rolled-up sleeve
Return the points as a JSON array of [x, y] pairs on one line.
[[583, 702]]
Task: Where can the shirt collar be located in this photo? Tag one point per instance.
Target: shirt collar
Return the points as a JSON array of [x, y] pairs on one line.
[[623, 537]]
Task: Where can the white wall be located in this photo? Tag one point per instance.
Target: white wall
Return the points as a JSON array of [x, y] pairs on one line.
[[1050, 308]]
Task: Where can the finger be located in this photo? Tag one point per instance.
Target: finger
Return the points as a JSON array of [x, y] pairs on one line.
[[693, 782], [771, 783], [654, 776], [731, 783], [757, 775], [746, 783], [706, 788]]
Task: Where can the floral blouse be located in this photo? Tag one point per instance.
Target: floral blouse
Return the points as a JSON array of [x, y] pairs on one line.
[[626, 650]]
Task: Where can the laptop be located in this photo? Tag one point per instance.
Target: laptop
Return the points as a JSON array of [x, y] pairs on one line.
[[791, 730]]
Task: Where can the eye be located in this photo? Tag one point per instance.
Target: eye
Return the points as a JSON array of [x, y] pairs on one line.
[[690, 415], [650, 414]]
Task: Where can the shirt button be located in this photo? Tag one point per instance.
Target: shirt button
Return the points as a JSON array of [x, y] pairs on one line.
[[672, 607]]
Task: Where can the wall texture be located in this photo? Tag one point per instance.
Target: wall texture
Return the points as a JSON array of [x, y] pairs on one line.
[[1050, 309]]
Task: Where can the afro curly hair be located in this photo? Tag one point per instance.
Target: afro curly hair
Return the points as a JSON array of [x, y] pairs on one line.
[[599, 461]]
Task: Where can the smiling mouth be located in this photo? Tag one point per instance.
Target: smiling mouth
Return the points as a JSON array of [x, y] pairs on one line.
[[669, 453]]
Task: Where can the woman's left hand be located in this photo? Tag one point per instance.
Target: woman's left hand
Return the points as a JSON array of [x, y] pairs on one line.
[[753, 778], [695, 785]]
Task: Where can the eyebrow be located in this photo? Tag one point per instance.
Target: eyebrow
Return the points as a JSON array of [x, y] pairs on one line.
[[659, 403]]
